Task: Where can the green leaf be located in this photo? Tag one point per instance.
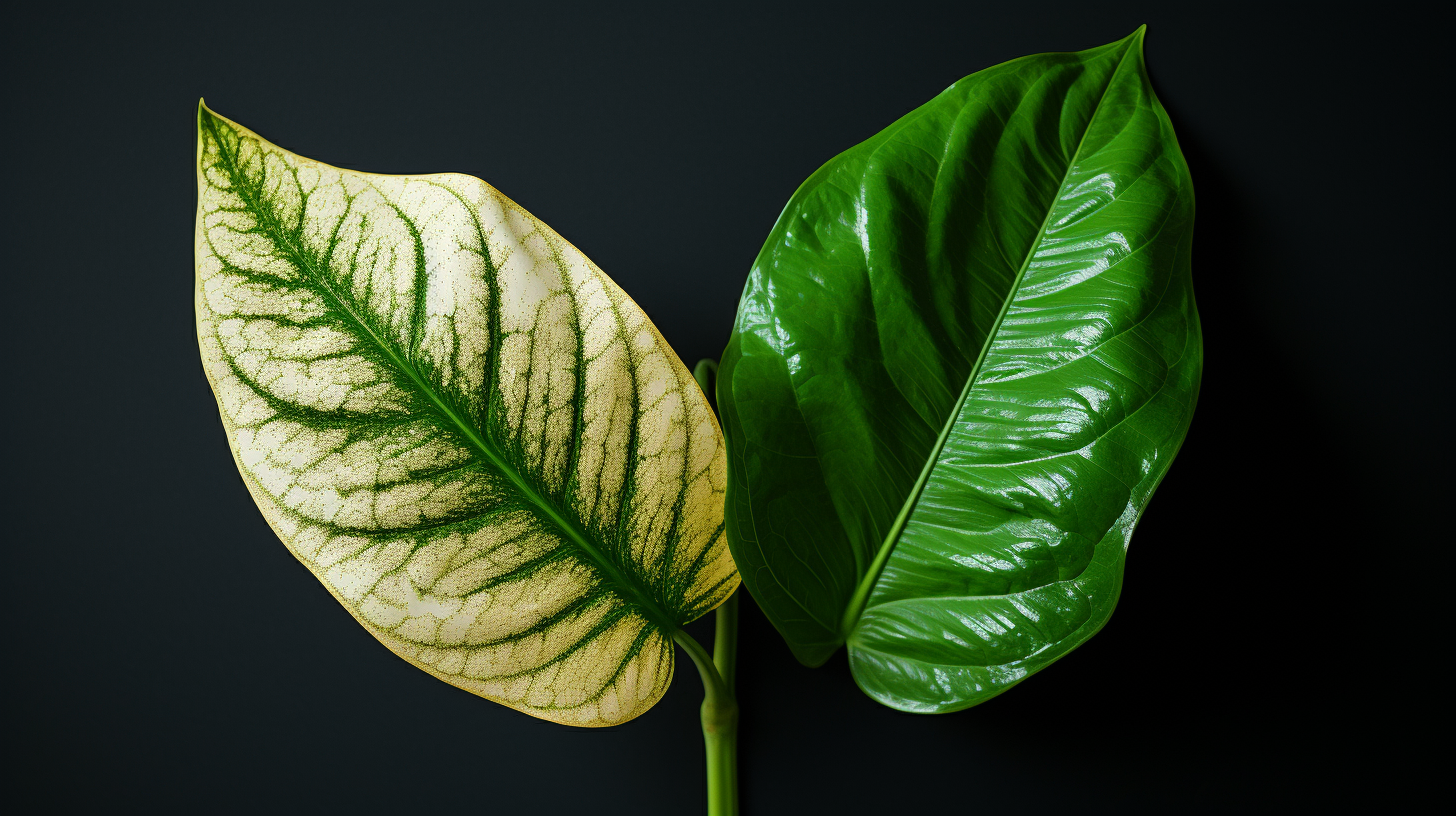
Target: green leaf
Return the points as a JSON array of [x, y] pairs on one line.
[[963, 360], [460, 425]]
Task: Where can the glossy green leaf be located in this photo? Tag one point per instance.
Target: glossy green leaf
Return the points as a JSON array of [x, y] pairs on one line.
[[963, 360], [469, 434]]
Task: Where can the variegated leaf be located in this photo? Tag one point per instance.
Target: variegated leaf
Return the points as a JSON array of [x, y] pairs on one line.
[[475, 440]]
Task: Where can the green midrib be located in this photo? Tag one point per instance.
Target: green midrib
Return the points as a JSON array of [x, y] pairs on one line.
[[866, 585], [483, 446]]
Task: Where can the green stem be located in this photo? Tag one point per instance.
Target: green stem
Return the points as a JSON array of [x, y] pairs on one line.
[[720, 719], [720, 707], [725, 641]]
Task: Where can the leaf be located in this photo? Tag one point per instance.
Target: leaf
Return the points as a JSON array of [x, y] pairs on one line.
[[461, 426], [963, 360]]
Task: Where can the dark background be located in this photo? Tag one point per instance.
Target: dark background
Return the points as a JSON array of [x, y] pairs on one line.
[[1282, 639]]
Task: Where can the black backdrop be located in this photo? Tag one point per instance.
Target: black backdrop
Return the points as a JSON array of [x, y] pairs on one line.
[[1281, 636]]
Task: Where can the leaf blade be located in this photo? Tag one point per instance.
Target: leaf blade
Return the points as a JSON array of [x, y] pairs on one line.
[[473, 438], [922, 235]]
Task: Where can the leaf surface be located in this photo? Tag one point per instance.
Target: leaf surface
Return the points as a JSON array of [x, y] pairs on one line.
[[460, 425], [963, 360]]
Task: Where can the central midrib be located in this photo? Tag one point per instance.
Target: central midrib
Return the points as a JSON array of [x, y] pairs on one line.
[[446, 408], [861, 595]]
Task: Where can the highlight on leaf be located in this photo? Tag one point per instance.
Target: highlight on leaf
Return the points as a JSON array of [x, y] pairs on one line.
[[472, 437]]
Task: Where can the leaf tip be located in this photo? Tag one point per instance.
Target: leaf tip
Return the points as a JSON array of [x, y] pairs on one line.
[[203, 111], [1134, 41]]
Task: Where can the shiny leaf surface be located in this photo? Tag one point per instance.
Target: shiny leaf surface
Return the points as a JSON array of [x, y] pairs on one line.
[[467, 432], [962, 362]]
